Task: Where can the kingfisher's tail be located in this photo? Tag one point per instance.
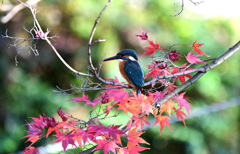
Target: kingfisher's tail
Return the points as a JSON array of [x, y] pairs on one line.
[[138, 91]]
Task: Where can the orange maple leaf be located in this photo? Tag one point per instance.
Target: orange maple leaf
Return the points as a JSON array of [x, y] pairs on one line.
[[134, 139], [162, 120]]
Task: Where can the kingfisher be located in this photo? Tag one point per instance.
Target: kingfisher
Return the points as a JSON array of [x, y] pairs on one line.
[[130, 68]]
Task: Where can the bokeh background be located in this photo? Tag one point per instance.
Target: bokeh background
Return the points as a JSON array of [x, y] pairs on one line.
[[26, 89]]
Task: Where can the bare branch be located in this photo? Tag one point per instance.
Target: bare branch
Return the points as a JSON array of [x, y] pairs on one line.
[[182, 6], [94, 70], [178, 12]]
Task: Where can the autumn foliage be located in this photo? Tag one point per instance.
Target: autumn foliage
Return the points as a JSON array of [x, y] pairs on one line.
[[74, 132]]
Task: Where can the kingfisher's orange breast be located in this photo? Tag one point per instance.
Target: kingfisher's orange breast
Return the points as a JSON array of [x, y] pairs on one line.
[[121, 69]]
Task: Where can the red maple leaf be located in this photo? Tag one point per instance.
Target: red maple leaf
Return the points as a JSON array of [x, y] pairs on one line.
[[94, 102], [31, 150], [152, 48], [180, 114], [39, 122], [79, 137], [65, 139], [116, 94], [89, 134], [62, 115], [182, 101], [84, 98], [192, 58], [143, 36], [34, 132], [110, 131], [140, 121], [56, 128], [162, 120], [196, 46], [50, 122]]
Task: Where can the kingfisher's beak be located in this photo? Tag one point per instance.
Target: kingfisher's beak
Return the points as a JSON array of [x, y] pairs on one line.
[[111, 58]]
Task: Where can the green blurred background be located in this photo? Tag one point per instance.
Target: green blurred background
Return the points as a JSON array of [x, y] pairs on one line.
[[26, 89]]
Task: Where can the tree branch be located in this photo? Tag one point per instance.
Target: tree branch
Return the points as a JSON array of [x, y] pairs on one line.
[[16, 9], [94, 70], [203, 69]]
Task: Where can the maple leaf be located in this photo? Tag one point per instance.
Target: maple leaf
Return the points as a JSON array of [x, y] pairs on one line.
[[146, 107], [116, 94], [180, 114], [110, 131], [192, 58], [143, 36], [62, 115], [140, 104], [34, 132], [94, 102], [182, 101], [65, 139], [34, 129], [181, 77], [134, 138], [39, 122], [196, 46], [32, 138], [79, 137], [162, 120], [139, 121], [157, 95], [50, 122], [132, 105], [56, 128], [107, 146], [88, 136], [31, 150], [84, 98], [152, 48]]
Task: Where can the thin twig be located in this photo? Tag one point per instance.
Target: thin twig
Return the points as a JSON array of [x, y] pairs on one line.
[[93, 69]]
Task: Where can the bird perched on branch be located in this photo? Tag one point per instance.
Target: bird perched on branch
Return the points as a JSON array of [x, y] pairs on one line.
[[130, 68]]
